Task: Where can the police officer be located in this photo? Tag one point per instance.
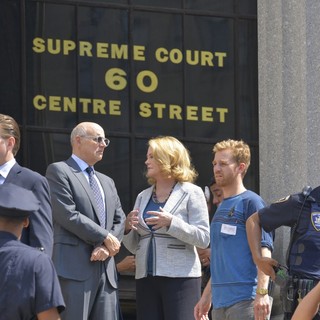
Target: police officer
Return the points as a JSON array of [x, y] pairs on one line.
[[301, 212], [29, 287]]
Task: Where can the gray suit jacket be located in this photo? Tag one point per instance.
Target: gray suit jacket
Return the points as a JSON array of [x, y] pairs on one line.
[[174, 248], [76, 225]]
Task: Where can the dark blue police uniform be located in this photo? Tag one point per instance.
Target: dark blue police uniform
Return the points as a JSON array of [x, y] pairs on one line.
[[300, 211], [28, 282]]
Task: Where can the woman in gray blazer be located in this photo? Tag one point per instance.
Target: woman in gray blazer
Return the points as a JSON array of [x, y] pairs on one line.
[[169, 221]]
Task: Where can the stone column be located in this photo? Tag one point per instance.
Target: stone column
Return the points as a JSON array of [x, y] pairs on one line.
[[289, 101]]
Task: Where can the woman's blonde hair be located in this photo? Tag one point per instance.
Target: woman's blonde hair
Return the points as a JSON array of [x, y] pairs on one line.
[[173, 158]]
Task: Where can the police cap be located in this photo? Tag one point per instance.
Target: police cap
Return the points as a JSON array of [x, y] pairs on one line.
[[16, 202]]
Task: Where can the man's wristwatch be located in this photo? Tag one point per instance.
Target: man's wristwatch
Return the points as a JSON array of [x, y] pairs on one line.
[[262, 291]]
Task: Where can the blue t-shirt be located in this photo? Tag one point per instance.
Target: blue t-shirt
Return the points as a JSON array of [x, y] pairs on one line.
[[233, 272]]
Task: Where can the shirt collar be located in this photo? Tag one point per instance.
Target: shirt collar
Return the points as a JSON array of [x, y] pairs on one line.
[[6, 167], [82, 164]]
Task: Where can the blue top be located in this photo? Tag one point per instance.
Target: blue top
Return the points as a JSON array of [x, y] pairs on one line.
[[28, 281], [152, 206], [233, 272]]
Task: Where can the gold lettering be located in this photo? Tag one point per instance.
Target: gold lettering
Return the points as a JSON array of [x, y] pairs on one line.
[[221, 56], [148, 75], [68, 46], [138, 53], [222, 112], [161, 55], [192, 113], [69, 104], [192, 57], [175, 112], [206, 58], [99, 106], [39, 102], [176, 56], [51, 48], [54, 103], [85, 104], [38, 45], [145, 110], [159, 107], [85, 49], [207, 114], [102, 50], [119, 51], [114, 107]]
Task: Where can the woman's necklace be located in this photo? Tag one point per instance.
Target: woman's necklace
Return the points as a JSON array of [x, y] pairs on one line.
[[155, 198]]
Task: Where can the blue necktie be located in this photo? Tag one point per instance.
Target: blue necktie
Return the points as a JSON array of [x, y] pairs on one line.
[[98, 197]]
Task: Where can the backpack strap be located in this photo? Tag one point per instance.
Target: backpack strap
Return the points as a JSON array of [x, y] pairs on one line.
[[293, 235]]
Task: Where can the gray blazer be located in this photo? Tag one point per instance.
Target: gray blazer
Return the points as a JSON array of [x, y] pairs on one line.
[[76, 225], [174, 248]]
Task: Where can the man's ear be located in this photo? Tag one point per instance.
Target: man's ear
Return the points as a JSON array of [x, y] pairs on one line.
[[26, 222], [242, 168], [77, 139], [11, 141]]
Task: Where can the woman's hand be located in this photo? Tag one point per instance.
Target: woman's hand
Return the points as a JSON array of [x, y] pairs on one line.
[[132, 221], [204, 256], [159, 219]]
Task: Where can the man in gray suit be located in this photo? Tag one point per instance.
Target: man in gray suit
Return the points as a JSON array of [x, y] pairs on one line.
[[86, 238]]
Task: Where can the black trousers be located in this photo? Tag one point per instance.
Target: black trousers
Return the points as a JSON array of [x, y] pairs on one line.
[[296, 285], [288, 316], [163, 298]]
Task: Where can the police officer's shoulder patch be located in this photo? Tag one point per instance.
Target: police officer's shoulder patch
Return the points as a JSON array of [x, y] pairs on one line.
[[283, 199], [315, 219]]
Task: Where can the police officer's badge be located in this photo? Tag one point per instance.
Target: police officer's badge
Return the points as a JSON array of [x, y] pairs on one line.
[[283, 199], [315, 219]]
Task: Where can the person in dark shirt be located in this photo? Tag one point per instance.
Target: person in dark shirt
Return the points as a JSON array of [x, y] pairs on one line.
[[301, 212], [29, 286]]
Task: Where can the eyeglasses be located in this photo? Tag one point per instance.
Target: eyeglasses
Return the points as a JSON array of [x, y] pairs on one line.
[[98, 139]]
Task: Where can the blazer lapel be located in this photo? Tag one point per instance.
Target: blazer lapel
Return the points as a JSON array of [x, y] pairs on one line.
[[11, 177], [144, 199], [79, 175], [175, 199]]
